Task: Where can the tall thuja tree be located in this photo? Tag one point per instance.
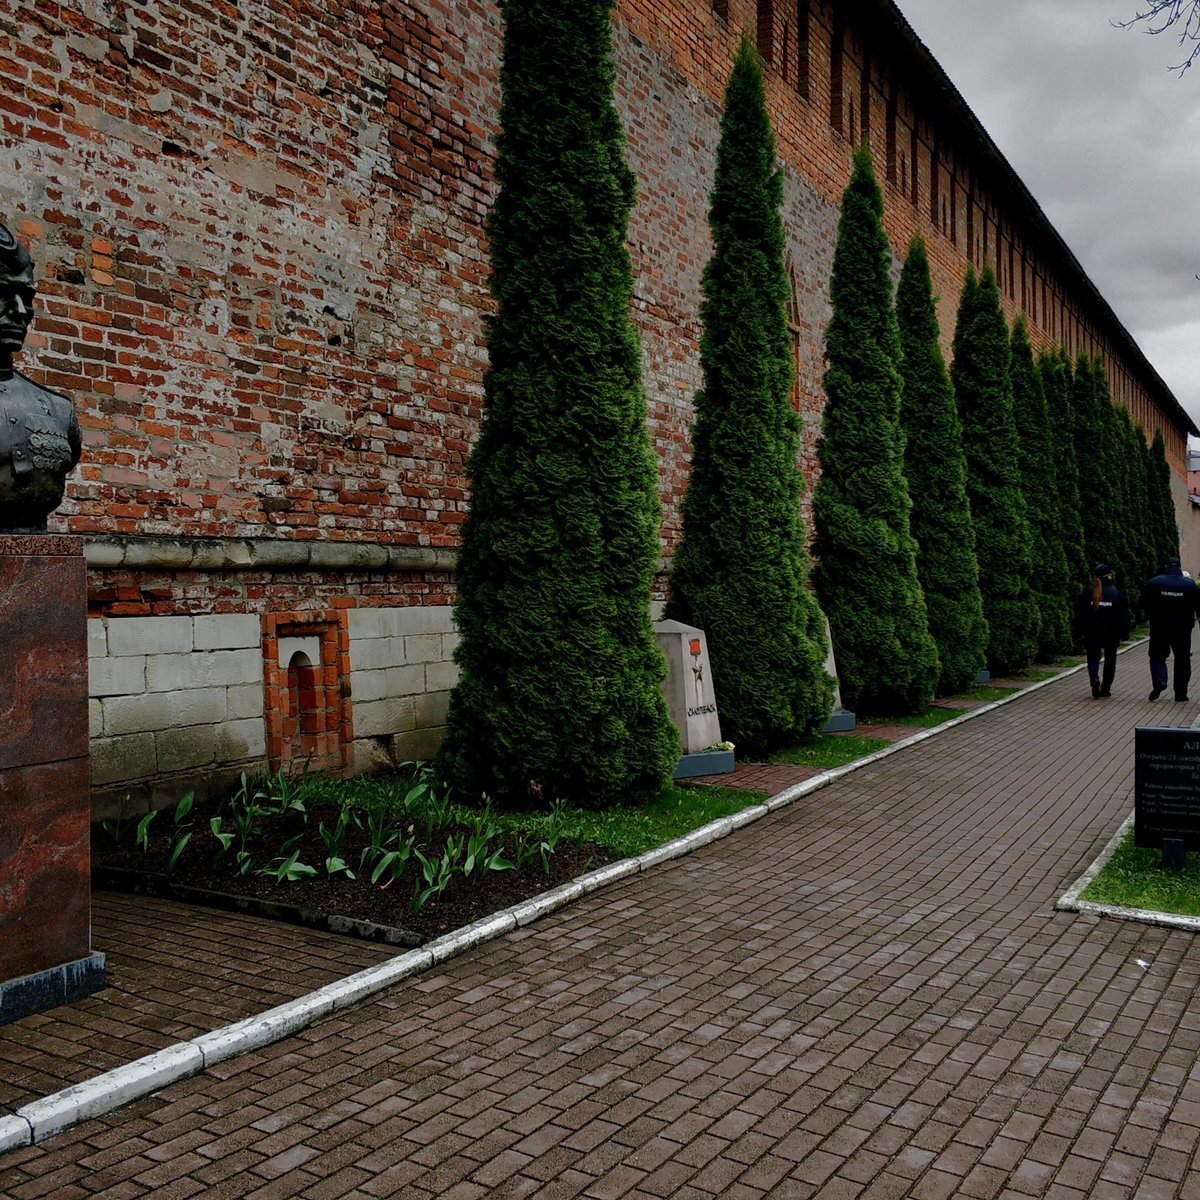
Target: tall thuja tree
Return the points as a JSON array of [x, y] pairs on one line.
[[1054, 370], [560, 678], [1093, 453], [1166, 526], [1089, 447], [1141, 471], [983, 391], [866, 574], [936, 471], [741, 568], [1049, 578], [1135, 514], [1153, 553], [1123, 518]]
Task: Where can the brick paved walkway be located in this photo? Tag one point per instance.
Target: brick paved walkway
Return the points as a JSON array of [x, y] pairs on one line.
[[173, 971], [868, 993]]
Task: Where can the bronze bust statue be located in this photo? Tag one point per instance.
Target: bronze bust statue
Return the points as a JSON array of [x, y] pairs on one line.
[[39, 436]]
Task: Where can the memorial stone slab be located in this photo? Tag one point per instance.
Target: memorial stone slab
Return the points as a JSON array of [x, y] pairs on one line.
[[1166, 796], [691, 699]]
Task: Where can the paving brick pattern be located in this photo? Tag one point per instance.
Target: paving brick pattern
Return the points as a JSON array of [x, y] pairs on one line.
[[173, 972], [868, 993]]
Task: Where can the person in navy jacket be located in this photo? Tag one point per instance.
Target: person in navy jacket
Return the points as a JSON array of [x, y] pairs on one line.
[[1103, 616], [1170, 600]]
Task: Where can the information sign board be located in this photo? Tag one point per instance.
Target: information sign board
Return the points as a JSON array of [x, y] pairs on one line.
[[1166, 787]]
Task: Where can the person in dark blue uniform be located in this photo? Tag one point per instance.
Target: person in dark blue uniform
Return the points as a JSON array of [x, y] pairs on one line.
[[1103, 615], [1170, 600]]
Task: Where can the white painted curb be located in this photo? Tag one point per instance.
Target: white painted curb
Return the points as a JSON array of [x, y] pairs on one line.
[[40, 1119], [52, 1114], [14, 1131], [1069, 901]]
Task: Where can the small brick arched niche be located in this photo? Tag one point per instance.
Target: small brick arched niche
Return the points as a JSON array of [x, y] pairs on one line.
[[306, 678]]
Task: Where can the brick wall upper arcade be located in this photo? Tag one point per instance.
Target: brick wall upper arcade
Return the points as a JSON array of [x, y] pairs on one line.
[[259, 235]]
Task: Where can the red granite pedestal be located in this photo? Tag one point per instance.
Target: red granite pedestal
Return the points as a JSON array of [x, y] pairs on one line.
[[46, 957]]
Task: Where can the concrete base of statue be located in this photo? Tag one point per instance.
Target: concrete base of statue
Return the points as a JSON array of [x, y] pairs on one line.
[[712, 762], [841, 720], [46, 956]]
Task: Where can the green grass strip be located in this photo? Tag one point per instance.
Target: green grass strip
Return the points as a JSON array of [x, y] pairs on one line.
[[626, 831], [929, 719], [828, 750], [986, 692], [1134, 878]]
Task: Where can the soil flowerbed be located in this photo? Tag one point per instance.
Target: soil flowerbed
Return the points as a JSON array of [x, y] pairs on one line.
[[199, 874]]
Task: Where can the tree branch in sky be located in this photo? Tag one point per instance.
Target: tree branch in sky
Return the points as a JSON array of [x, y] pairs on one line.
[[1182, 16]]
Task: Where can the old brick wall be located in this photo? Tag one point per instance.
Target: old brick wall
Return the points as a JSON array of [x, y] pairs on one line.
[[258, 235], [262, 262], [261, 259]]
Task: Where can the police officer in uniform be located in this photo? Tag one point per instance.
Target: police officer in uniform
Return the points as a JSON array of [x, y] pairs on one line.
[[1103, 616], [1170, 600], [39, 435]]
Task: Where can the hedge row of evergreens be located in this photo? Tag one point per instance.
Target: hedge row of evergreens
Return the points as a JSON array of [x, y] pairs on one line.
[[943, 540], [1017, 476], [1127, 514]]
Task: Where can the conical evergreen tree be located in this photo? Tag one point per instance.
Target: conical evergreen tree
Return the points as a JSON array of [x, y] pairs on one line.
[[1166, 525], [866, 573], [1142, 469], [983, 391], [936, 471], [560, 677], [1135, 513], [1054, 370], [1093, 452], [1049, 578], [1122, 527], [740, 570]]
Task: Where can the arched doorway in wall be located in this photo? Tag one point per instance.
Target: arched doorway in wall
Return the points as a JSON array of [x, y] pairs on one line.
[[306, 661], [301, 717]]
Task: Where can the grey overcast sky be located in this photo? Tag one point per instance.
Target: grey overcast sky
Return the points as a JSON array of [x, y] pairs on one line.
[[1106, 138]]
